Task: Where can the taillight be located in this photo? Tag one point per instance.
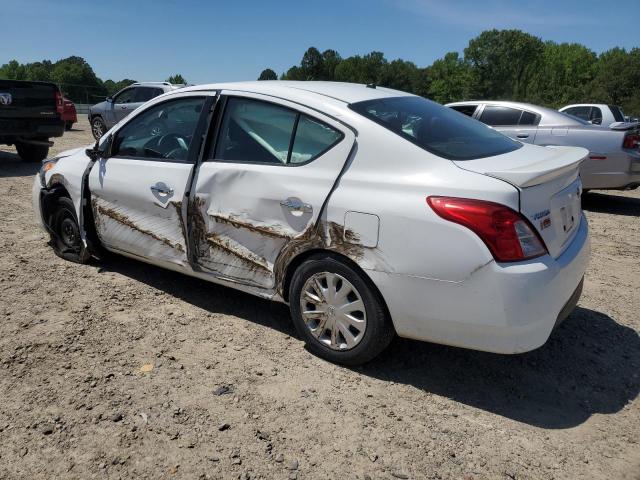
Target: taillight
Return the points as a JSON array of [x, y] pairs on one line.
[[632, 140], [59, 102], [507, 234]]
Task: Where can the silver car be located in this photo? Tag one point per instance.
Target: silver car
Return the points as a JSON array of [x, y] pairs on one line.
[[614, 151], [596, 113], [105, 115]]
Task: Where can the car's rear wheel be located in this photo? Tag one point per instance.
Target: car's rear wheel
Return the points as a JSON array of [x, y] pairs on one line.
[[337, 312], [65, 239], [32, 153], [98, 128]]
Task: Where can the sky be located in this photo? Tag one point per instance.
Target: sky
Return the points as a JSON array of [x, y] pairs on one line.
[[212, 41]]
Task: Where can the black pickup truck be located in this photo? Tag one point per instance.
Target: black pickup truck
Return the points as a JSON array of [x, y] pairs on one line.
[[30, 114]]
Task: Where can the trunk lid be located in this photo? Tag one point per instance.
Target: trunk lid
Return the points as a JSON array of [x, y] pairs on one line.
[[549, 184], [28, 99]]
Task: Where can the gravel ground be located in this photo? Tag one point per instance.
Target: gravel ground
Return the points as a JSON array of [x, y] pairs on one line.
[[123, 370]]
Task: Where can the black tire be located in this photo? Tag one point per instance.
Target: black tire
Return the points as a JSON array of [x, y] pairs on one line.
[[68, 126], [32, 153], [65, 239], [379, 330], [98, 127]]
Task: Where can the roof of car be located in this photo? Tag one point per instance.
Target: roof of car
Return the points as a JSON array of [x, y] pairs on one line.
[[603, 105], [340, 91]]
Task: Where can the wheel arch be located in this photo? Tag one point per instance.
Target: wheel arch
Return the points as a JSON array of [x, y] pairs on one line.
[[323, 252]]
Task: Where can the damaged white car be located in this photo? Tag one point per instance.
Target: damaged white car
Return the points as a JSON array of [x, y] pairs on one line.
[[371, 212]]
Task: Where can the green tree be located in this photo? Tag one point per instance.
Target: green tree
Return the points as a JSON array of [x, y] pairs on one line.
[[13, 71], [450, 79], [176, 79], [114, 87], [268, 74], [617, 79], [330, 60], [312, 64], [503, 62]]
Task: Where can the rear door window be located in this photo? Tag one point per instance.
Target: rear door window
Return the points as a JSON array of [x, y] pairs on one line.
[[144, 94], [468, 110], [529, 118], [312, 139], [437, 129], [500, 116], [260, 132], [580, 112]]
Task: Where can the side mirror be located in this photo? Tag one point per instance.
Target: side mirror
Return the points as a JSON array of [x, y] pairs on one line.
[[96, 152], [109, 99]]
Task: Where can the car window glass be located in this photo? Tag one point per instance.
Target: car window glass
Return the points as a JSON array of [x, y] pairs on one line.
[[163, 131], [618, 114], [528, 118], [500, 116], [437, 129], [312, 139], [145, 94], [596, 115], [580, 112], [255, 131], [468, 110], [127, 96]]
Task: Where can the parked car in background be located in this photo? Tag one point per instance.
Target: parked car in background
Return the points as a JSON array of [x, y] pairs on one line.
[[30, 115], [598, 114], [105, 115], [369, 211], [614, 152], [69, 115]]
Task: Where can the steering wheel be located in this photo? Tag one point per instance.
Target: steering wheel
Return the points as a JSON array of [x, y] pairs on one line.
[[174, 143]]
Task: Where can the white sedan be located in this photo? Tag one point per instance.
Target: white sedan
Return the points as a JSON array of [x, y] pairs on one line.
[[371, 212]]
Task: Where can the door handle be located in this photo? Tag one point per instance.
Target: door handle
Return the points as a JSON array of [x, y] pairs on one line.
[[523, 135], [296, 205], [162, 190], [123, 107]]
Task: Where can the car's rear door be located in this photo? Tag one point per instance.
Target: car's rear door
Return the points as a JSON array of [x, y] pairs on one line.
[[514, 122], [138, 193], [267, 172]]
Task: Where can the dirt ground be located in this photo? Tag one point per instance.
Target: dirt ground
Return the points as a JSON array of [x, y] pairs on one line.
[[118, 370]]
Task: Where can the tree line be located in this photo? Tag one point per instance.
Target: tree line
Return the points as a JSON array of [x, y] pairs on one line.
[[75, 76], [496, 65]]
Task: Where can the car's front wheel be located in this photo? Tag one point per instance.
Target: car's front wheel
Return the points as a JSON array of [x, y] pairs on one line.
[[65, 239], [337, 312], [98, 128]]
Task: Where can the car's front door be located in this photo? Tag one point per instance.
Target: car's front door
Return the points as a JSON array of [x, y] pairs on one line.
[[138, 192], [124, 103], [262, 184]]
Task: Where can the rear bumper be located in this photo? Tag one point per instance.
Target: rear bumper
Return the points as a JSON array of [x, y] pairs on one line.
[[501, 308], [12, 130]]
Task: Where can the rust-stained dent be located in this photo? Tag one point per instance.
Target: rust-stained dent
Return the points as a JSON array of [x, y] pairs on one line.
[[265, 230], [178, 206], [124, 220], [247, 256]]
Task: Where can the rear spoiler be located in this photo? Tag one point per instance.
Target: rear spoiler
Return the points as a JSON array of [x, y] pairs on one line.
[[625, 126], [562, 160]]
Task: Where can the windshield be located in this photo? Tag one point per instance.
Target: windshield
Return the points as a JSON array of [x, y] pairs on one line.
[[437, 129]]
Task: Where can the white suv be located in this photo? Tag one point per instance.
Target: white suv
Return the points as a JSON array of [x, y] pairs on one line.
[[105, 115]]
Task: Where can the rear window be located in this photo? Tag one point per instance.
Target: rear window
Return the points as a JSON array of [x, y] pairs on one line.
[[617, 113], [500, 116], [435, 128]]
